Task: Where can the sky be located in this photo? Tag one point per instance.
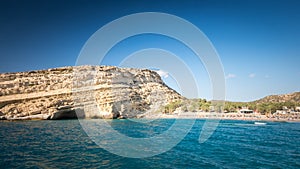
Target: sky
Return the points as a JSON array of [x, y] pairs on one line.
[[257, 41]]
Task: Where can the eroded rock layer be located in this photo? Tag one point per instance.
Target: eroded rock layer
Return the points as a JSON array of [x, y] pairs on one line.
[[83, 92]]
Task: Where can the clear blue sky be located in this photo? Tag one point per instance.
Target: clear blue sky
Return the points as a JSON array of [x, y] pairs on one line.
[[258, 41]]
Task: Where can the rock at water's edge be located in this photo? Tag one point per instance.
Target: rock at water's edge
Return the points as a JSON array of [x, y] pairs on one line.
[[83, 92]]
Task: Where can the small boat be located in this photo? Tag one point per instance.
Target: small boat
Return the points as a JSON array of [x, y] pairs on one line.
[[259, 123]]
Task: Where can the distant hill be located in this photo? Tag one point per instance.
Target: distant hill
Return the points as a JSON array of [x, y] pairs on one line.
[[292, 97]]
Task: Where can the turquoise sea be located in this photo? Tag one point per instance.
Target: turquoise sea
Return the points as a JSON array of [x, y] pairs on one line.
[[234, 144]]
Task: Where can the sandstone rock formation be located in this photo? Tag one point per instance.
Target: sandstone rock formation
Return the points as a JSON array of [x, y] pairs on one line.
[[83, 92]]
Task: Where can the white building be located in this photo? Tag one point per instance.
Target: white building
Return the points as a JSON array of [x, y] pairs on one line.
[[245, 111]]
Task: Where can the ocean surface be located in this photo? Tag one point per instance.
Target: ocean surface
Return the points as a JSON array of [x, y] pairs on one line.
[[234, 144]]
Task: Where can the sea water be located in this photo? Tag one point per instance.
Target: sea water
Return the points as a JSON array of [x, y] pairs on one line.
[[234, 144]]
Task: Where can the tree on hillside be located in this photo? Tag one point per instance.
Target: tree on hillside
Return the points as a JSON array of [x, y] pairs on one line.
[[205, 107]]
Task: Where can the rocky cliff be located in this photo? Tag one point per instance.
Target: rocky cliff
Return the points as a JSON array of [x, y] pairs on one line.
[[83, 92]]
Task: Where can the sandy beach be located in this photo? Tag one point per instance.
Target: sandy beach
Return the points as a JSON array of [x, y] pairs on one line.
[[223, 116]]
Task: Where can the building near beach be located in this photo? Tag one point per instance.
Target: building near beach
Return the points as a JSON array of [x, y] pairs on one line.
[[245, 111]]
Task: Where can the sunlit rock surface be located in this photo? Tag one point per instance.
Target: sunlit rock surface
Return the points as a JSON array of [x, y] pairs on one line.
[[83, 92]]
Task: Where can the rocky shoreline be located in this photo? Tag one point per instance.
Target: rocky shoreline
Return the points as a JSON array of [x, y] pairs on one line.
[[165, 116]]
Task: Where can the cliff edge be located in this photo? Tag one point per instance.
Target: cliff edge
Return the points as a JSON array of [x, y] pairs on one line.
[[82, 92]]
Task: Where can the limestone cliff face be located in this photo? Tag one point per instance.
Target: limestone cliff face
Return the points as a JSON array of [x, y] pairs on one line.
[[93, 91]]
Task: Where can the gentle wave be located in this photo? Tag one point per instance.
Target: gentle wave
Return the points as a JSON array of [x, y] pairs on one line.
[[234, 144]]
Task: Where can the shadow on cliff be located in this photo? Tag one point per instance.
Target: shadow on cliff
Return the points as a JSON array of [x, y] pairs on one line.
[[67, 114]]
